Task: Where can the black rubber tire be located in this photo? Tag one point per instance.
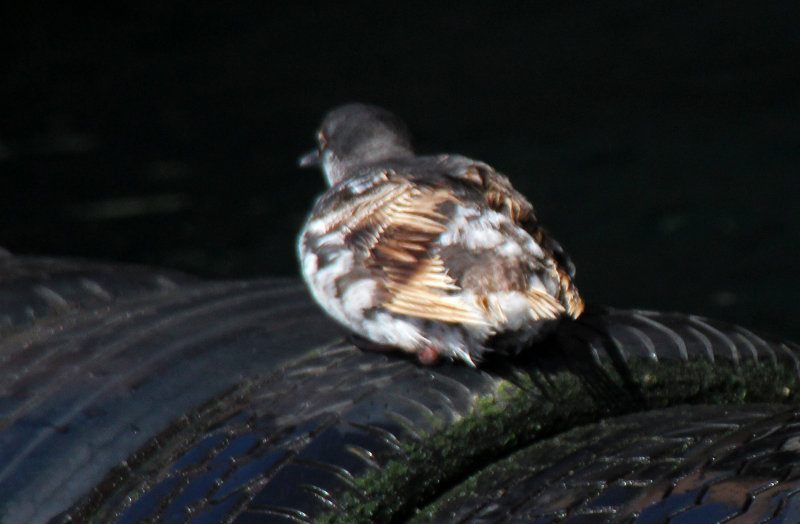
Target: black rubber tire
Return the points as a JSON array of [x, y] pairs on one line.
[[152, 397]]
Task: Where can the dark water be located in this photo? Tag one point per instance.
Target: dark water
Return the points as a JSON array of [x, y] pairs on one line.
[[660, 144]]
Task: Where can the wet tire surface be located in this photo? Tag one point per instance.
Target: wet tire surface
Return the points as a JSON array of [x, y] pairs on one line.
[[147, 396], [681, 465]]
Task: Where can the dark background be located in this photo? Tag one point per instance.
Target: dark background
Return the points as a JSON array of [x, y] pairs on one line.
[[659, 141]]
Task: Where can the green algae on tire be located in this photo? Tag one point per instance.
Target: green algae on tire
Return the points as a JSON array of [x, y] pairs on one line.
[[509, 420]]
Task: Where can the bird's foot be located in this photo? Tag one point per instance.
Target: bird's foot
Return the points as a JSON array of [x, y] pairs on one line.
[[428, 355]]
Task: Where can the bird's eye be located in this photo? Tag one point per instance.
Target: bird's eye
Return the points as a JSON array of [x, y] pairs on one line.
[[323, 142]]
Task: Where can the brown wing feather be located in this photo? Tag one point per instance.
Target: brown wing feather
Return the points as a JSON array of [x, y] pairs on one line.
[[502, 197], [393, 228], [497, 191], [394, 223], [424, 295]]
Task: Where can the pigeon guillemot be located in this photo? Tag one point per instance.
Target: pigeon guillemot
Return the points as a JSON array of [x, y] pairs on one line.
[[434, 255]]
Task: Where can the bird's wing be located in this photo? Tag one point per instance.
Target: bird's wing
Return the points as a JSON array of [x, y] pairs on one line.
[[392, 226], [496, 189], [501, 196]]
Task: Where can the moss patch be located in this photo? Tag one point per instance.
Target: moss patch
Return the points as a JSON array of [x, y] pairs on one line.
[[513, 418], [671, 383]]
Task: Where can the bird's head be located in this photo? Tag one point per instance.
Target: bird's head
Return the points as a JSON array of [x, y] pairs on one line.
[[354, 135]]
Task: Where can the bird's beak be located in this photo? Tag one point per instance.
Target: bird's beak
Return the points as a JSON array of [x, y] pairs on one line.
[[310, 159]]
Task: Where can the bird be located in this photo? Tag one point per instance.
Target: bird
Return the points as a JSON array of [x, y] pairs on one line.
[[434, 255]]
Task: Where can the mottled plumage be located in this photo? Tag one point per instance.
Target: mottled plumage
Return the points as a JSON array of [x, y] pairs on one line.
[[434, 255]]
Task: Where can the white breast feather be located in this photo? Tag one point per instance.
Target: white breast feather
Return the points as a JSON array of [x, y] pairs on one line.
[[358, 296], [386, 328]]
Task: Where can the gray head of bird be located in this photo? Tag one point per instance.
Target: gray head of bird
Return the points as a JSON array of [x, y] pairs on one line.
[[353, 135]]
